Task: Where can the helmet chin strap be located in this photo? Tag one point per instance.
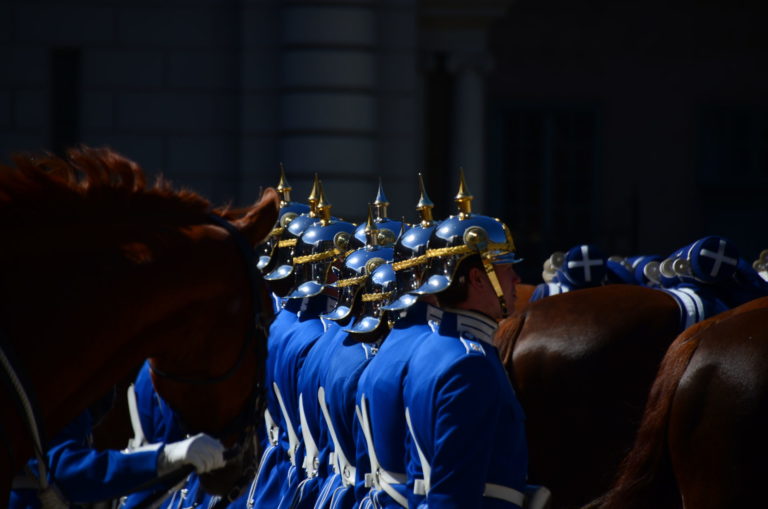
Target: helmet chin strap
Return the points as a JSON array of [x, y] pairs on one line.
[[494, 279]]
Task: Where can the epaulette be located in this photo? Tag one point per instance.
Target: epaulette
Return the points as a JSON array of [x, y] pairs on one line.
[[472, 346]]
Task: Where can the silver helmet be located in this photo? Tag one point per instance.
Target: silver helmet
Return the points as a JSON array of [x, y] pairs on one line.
[[356, 271], [461, 236], [320, 247], [281, 276], [289, 210], [410, 255]]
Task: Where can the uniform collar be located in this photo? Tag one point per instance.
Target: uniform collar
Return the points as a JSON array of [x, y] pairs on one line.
[[420, 313], [468, 324], [313, 307], [292, 305]]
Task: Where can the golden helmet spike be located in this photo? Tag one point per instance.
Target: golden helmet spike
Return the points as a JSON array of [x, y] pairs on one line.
[[314, 194], [425, 205], [381, 203], [463, 199], [370, 228], [323, 207], [283, 188]]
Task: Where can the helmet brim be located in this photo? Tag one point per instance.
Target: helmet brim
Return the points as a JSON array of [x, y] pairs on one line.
[[365, 325], [404, 302], [306, 289], [435, 284], [281, 272], [340, 313]]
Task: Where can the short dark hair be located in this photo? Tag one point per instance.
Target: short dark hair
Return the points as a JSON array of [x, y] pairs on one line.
[[457, 291]]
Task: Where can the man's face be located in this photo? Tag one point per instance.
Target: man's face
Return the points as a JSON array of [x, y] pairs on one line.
[[508, 279]]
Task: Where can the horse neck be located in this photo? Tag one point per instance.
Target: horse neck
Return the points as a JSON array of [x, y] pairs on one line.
[[87, 326]]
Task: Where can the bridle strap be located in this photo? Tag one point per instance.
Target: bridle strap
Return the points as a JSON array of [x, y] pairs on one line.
[[191, 380], [27, 408], [254, 277]]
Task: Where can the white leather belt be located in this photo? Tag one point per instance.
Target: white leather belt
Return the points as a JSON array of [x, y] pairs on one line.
[[311, 462], [378, 478], [273, 430], [293, 439], [343, 465]]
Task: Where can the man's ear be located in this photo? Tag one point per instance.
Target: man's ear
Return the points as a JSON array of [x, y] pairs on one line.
[[477, 278]]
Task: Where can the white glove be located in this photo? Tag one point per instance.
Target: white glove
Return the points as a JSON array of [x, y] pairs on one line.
[[202, 451]]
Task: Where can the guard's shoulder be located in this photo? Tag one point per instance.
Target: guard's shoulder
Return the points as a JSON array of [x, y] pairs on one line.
[[472, 345]]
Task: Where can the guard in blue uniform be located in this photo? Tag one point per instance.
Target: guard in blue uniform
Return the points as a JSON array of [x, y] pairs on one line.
[[153, 421], [79, 474], [349, 358], [320, 249], [382, 435], [468, 428], [266, 489], [582, 266]]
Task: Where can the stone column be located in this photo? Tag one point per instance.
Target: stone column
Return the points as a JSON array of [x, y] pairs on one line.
[[327, 105], [468, 149]]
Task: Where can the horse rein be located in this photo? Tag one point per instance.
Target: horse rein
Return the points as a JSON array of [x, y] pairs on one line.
[[28, 411]]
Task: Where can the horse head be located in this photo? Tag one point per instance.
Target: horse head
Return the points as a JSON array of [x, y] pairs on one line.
[[101, 271]]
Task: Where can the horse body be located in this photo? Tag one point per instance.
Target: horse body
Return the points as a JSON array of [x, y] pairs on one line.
[[702, 439], [582, 363], [98, 273]]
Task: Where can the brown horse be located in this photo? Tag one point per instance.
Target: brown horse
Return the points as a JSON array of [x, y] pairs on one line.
[[99, 271], [703, 435], [582, 363]]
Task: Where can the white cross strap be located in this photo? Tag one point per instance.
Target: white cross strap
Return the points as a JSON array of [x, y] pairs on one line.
[[346, 469], [421, 486], [379, 478], [273, 430], [293, 439], [312, 455]]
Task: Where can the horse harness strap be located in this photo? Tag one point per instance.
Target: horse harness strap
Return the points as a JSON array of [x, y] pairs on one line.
[[342, 465], [50, 496], [422, 486], [378, 478]]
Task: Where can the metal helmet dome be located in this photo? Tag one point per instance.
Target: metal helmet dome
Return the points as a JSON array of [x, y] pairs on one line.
[[282, 257], [461, 236], [410, 260], [289, 210], [387, 228], [357, 268], [322, 244]]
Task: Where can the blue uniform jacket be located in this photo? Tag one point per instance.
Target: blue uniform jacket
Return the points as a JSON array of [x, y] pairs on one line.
[[310, 379], [465, 416], [381, 385], [288, 363], [265, 488], [347, 361]]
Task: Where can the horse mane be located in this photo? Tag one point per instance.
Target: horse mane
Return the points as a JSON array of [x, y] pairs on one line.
[[94, 186]]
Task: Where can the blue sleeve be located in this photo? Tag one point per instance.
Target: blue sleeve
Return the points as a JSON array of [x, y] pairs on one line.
[[84, 474], [466, 399]]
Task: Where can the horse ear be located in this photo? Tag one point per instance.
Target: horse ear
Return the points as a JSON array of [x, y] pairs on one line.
[[261, 217]]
